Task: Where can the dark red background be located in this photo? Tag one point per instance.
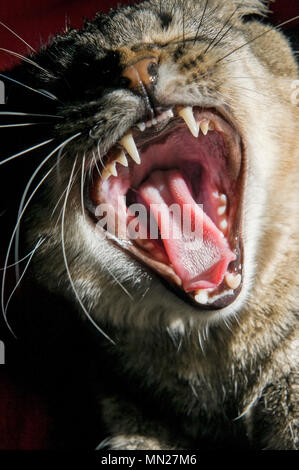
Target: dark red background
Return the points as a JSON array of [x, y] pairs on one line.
[[25, 422]]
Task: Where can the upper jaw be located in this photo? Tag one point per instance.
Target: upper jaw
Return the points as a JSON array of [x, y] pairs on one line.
[[123, 159]]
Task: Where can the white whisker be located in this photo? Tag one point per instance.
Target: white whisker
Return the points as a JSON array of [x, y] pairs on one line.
[[4, 126], [18, 223], [17, 233], [23, 152], [83, 176], [25, 59], [17, 113], [20, 261], [50, 97], [39, 243], [66, 262], [17, 36]]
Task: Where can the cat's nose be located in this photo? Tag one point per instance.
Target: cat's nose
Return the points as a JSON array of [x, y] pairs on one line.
[[143, 73]]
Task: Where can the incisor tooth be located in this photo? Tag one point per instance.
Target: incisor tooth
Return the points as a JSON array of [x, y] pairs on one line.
[[129, 144], [122, 159], [233, 280], [221, 210], [188, 116], [204, 126], [223, 224]]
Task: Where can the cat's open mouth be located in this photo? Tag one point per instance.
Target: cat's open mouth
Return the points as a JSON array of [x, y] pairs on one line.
[[170, 193]]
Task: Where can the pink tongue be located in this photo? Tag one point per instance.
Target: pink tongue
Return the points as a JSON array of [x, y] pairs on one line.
[[201, 258]]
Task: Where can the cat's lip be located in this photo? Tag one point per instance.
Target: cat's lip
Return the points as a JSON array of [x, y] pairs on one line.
[[226, 204]]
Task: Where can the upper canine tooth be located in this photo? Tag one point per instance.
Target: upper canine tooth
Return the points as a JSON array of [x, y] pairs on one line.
[[204, 126], [129, 144], [187, 114], [122, 159]]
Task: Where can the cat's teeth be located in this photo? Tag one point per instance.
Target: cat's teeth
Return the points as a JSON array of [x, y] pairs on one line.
[[122, 159], [221, 210], [129, 144], [109, 170], [201, 296], [223, 198], [188, 116], [141, 126], [204, 127], [223, 225], [233, 280]]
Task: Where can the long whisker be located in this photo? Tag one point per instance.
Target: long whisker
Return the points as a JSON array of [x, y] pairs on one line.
[[5, 126], [23, 152], [20, 212], [18, 223], [83, 176], [257, 37], [15, 113], [201, 21], [66, 261], [8, 253], [39, 243], [20, 261], [25, 59], [50, 97], [212, 43], [17, 36]]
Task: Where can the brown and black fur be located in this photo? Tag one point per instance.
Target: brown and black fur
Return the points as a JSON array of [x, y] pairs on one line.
[[230, 383]]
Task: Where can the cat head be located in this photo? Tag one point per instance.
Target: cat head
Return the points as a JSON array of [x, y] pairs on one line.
[[156, 194]]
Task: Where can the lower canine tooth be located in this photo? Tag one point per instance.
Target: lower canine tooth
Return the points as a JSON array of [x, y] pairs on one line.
[[122, 159], [233, 280], [129, 144], [187, 114]]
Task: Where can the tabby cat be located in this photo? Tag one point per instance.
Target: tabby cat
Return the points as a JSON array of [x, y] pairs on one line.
[[151, 113]]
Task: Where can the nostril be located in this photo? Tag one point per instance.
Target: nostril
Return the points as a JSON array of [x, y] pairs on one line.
[[143, 73]]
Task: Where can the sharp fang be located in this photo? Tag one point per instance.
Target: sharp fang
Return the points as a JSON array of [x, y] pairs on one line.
[[141, 126], [122, 159], [204, 126], [201, 296], [233, 280], [111, 168], [187, 114], [129, 144], [170, 113]]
